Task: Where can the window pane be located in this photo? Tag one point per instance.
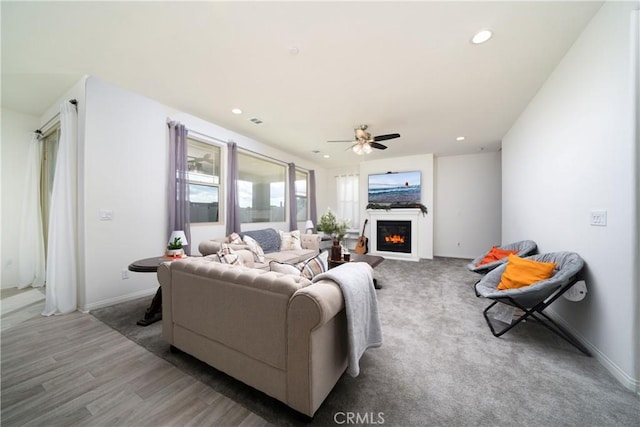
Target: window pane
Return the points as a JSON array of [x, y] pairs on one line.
[[203, 203], [301, 196], [260, 189], [203, 161]]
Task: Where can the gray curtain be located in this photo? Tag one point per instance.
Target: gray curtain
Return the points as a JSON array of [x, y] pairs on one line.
[[233, 208], [313, 215], [293, 205], [178, 183]]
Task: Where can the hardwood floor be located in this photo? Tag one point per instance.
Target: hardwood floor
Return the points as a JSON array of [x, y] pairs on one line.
[[73, 370]]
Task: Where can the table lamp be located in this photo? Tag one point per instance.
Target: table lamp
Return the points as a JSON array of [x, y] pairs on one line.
[[309, 226]]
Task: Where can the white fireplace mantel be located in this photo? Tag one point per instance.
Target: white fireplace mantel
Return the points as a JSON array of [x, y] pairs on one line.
[[408, 214]]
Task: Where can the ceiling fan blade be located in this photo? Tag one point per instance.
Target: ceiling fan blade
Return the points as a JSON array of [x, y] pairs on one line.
[[378, 146], [385, 137], [342, 140]]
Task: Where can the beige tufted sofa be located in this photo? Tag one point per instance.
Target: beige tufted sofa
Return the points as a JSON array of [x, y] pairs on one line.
[[277, 333]]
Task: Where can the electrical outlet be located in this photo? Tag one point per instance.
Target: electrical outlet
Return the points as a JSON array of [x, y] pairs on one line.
[[598, 218], [125, 274]]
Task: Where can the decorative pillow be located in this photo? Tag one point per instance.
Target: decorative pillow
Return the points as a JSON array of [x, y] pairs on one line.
[[281, 267], [313, 266], [521, 272], [234, 238], [255, 248], [290, 241], [268, 238], [496, 254], [228, 255]]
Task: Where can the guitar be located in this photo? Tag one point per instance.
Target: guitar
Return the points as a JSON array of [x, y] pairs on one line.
[[361, 245]]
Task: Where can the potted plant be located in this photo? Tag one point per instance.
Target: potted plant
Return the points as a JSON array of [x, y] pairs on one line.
[[330, 225], [174, 248]]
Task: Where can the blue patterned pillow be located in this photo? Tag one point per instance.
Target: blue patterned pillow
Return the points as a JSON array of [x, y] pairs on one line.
[[268, 239]]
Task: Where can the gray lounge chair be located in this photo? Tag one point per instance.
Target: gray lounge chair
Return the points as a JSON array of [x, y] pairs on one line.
[[524, 248], [533, 299]]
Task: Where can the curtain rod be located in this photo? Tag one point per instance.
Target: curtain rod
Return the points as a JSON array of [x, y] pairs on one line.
[[74, 102], [240, 148]]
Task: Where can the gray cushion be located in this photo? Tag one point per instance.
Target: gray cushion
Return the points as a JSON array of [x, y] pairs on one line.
[[568, 265], [268, 238]]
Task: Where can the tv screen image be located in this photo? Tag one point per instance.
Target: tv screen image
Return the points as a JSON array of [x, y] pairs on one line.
[[395, 187]]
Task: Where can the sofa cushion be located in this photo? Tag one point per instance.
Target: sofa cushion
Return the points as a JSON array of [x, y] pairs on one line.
[[268, 238]]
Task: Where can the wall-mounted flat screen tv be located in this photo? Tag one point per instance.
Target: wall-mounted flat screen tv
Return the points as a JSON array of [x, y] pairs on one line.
[[395, 187]]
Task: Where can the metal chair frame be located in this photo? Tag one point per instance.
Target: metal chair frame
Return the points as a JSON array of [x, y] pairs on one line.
[[531, 313]]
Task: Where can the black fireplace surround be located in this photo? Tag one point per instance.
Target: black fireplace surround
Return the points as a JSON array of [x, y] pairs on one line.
[[393, 236]]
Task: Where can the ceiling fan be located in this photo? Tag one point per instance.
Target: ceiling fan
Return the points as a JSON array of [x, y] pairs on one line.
[[364, 142]]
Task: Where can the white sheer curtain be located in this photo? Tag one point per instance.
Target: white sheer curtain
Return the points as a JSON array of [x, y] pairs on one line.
[[348, 206], [61, 274], [31, 244]]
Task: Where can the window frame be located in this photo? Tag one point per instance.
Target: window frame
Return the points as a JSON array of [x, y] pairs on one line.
[[280, 164], [306, 195], [204, 140]]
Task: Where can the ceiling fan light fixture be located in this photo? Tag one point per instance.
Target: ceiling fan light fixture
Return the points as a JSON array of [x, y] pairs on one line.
[[481, 36], [367, 148], [358, 149]]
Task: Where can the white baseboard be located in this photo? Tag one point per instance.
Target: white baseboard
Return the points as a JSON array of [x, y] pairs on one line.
[[630, 383], [112, 301]]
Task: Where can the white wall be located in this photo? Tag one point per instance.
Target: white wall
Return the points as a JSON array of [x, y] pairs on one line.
[[126, 161], [571, 151], [17, 129], [468, 207]]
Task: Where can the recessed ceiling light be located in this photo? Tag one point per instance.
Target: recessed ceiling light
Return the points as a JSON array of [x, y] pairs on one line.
[[481, 36], [236, 111], [326, 156], [460, 138]]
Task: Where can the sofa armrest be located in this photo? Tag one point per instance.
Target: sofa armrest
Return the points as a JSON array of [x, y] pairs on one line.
[[316, 344], [210, 247], [310, 241]]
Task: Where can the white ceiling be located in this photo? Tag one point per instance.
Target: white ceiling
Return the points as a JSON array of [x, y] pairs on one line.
[[405, 67]]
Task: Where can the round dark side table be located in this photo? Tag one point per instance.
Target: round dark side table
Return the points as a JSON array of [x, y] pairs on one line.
[[150, 265]]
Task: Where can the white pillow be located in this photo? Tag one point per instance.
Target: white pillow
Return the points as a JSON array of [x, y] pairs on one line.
[[234, 238], [281, 267], [228, 255], [255, 248], [290, 241]]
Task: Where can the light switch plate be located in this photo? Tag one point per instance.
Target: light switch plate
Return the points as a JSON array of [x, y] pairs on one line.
[[599, 218], [106, 215]]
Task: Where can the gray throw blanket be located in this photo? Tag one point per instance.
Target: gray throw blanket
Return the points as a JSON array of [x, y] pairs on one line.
[[361, 306]]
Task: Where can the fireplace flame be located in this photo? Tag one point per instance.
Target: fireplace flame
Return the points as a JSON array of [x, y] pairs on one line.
[[394, 238]]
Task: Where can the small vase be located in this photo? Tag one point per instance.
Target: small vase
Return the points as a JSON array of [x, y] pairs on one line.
[[336, 250]]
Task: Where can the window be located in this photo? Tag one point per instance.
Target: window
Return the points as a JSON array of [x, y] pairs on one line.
[[302, 190], [261, 189], [347, 197], [203, 161]]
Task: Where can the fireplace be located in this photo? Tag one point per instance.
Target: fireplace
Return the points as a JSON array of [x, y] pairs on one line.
[[393, 236], [394, 233]]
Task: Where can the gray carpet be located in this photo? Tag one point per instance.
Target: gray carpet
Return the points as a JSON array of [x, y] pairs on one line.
[[439, 364]]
